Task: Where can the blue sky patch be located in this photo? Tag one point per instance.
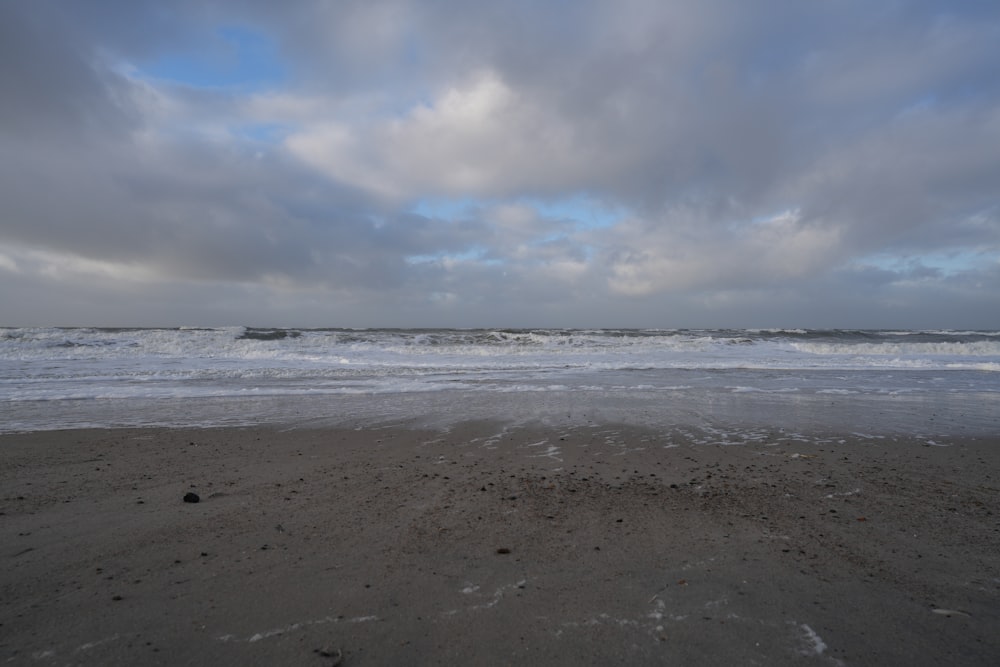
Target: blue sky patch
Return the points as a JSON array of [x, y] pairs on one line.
[[948, 263], [584, 211], [236, 57], [270, 133], [476, 254]]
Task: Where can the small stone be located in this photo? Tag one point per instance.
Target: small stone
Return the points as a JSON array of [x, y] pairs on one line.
[[503, 550], [334, 654], [191, 497]]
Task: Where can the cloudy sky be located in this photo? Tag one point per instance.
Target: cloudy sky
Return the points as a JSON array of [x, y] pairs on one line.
[[649, 163]]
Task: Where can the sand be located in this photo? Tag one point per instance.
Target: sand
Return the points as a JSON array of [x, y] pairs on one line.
[[487, 544]]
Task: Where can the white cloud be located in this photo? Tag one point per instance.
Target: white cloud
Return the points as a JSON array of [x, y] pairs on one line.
[[688, 255], [69, 268], [8, 263], [767, 152], [479, 138]]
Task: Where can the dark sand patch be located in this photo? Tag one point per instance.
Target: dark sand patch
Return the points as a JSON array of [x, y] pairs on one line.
[[492, 545]]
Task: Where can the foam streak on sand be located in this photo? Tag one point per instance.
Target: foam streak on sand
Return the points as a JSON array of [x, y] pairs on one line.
[[493, 601], [550, 452], [816, 644], [258, 636]]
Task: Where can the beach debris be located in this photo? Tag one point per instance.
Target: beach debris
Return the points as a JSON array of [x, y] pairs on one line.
[[191, 497], [503, 550], [335, 654], [950, 612]]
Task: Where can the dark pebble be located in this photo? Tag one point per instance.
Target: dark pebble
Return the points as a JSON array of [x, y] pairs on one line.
[[329, 652], [190, 497], [503, 550]]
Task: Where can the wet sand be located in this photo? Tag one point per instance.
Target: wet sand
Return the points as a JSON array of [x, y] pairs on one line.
[[595, 544]]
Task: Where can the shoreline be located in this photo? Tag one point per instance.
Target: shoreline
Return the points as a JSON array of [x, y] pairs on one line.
[[724, 414], [488, 543]]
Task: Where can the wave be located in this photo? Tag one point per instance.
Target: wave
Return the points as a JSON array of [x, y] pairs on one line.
[[301, 350], [268, 334]]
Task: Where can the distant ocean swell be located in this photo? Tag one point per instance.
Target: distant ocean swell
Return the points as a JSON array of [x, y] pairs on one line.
[[756, 344]]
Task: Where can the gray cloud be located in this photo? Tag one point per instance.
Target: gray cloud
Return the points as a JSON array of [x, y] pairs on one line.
[[782, 162]]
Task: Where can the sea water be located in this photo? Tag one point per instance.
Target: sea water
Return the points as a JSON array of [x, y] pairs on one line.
[[927, 383]]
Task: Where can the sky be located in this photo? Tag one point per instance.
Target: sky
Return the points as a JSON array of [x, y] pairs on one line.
[[527, 163]]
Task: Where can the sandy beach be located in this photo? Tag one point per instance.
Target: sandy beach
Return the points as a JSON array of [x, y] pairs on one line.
[[486, 544]]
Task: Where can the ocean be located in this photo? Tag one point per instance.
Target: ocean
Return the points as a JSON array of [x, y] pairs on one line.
[[714, 385]]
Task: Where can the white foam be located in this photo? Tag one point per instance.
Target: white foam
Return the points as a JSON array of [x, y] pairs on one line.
[[494, 600], [816, 643], [292, 627], [89, 645], [107, 365]]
